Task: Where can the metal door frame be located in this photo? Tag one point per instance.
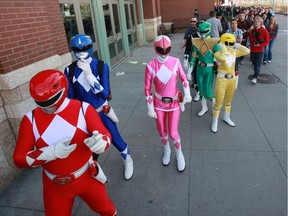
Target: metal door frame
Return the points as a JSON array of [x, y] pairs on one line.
[[114, 39], [79, 19]]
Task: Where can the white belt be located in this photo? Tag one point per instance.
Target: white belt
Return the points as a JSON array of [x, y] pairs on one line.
[[76, 174], [160, 97], [227, 76], [206, 64]]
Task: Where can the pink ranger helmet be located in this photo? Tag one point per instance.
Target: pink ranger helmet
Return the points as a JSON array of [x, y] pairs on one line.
[[162, 45]]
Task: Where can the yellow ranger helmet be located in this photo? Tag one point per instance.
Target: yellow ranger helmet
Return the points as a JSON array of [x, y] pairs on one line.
[[228, 39]]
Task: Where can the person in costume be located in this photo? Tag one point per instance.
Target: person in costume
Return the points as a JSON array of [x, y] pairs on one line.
[[191, 32], [203, 50], [85, 84], [163, 71], [226, 79], [60, 135]]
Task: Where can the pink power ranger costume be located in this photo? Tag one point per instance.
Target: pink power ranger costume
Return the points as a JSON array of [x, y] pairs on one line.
[[57, 136], [163, 72]]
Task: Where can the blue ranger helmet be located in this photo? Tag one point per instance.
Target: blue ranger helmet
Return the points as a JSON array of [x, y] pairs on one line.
[[81, 46]]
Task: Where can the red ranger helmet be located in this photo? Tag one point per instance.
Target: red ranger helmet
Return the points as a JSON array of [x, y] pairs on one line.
[[49, 88], [162, 45]]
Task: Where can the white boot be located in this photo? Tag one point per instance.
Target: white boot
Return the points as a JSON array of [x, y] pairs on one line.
[[179, 156], [197, 96], [167, 155], [213, 104], [128, 163], [226, 117], [167, 151], [204, 107], [214, 126]]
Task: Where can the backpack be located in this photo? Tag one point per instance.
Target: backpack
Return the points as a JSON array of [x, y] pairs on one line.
[[72, 67]]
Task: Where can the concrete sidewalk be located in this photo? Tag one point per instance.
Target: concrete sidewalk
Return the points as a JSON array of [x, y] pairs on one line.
[[240, 171]]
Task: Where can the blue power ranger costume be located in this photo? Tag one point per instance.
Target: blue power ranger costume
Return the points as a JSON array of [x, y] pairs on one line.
[[86, 85]]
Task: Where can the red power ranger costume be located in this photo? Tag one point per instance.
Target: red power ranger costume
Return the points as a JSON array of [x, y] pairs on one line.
[[56, 135]]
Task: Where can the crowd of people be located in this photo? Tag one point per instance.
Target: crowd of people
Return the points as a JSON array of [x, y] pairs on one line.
[[251, 30], [253, 27]]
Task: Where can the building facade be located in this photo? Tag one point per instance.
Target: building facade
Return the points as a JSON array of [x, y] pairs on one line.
[[35, 34]]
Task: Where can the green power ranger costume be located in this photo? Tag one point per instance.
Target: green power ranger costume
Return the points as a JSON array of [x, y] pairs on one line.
[[204, 49]]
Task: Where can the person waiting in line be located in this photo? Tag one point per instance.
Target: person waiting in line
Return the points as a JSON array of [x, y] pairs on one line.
[[251, 17], [272, 28], [216, 27], [270, 13], [238, 34], [265, 19], [191, 32], [224, 23], [245, 26], [259, 39], [197, 14], [87, 83]]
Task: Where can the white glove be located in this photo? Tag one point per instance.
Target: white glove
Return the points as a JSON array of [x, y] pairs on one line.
[[187, 98], [189, 76], [240, 47], [237, 45], [96, 143], [60, 150], [85, 66], [185, 62], [222, 46], [187, 94], [91, 79], [236, 77], [150, 107]]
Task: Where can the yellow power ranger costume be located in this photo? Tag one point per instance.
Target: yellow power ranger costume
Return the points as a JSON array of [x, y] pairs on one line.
[[226, 79]]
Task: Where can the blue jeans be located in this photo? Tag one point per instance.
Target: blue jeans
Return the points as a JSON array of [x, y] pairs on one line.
[[268, 51], [256, 58]]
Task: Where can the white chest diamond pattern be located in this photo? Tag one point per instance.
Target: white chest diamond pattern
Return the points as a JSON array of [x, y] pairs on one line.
[[82, 80], [59, 129], [164, 74], [231, 59]]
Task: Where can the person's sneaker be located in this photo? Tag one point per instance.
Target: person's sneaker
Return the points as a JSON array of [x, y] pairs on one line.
[[254, 80], [265, 62], [269, 61]]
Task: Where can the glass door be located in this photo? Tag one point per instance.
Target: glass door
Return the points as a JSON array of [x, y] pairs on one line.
[[113, 30], [131, 24], [78, 19]]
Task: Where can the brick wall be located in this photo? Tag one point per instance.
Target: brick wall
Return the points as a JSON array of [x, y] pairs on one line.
[[149, 9], [30, 30], [181, 11], [32, 38]]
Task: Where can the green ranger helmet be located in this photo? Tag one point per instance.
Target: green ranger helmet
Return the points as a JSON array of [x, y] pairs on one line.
[[204, 29]]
